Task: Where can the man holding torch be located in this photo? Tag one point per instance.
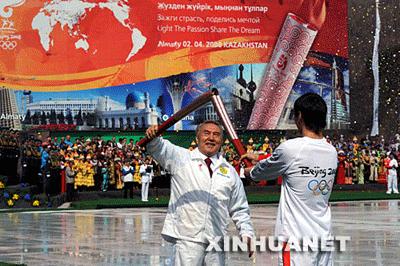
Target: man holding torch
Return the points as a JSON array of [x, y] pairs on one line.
[[206, 192], [308, 167]]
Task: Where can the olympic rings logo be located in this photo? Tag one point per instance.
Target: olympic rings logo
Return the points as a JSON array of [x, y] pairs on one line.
[[8, 45], [320, 187]]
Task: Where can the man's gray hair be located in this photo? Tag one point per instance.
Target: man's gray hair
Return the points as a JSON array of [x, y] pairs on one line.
[[209, 122]]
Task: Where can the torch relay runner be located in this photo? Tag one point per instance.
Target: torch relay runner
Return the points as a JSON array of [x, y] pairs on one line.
[[206, 192], [308, 166]]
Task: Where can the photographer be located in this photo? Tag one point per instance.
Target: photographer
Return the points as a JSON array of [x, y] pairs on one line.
[[146, 170]]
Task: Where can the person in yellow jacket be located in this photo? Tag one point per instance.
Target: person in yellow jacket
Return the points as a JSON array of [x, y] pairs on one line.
[[136, 176], [80, 172], [250, 146], [111, 171], [265, 146], [89, 177], [118, 173]]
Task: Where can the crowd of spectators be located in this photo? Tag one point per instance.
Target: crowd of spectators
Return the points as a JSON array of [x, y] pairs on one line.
[[365, 160], [100, 165]]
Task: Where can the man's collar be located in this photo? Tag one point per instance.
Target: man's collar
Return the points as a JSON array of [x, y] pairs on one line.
[[197, 155]]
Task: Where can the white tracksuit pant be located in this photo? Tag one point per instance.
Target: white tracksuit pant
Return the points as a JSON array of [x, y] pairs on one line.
[[392, 182], [306, 258], [145, 191], [195, 254]]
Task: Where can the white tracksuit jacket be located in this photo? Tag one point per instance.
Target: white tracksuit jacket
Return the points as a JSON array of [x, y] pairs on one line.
[[392, 176], [200, 207], [308, 167]]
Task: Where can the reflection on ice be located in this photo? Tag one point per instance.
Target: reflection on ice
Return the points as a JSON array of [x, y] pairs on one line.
[[132, 236]]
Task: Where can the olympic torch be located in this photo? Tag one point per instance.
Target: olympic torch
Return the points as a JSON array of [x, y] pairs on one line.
[[226, 122], [206, 97], [198, 102], [289, 54]]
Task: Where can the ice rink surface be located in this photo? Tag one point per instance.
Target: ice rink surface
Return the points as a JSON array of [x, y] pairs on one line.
[[132, 236]]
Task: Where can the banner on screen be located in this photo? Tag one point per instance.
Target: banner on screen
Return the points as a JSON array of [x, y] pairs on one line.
[[133, 55]]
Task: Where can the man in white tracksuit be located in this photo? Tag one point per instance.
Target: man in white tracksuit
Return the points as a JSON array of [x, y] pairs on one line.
[[308, 166], [392, 176], [206, 192]]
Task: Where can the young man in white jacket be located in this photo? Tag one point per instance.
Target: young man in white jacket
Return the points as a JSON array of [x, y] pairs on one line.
[[206, 192], [308, 166]]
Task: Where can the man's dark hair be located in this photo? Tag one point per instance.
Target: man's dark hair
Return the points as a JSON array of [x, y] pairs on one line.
[[313, 111]]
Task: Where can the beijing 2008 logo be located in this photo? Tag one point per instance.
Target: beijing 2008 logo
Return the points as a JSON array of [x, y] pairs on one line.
[[320, 186], [8, 38]]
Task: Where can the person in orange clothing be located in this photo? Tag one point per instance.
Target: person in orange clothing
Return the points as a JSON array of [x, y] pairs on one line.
[[356, 145], [349, 165], [383, 169]]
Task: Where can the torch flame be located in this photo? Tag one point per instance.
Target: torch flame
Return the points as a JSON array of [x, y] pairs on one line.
[[313, 11]]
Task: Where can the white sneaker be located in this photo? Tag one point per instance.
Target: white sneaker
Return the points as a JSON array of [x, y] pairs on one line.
[[388, 192], [396, 192]]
